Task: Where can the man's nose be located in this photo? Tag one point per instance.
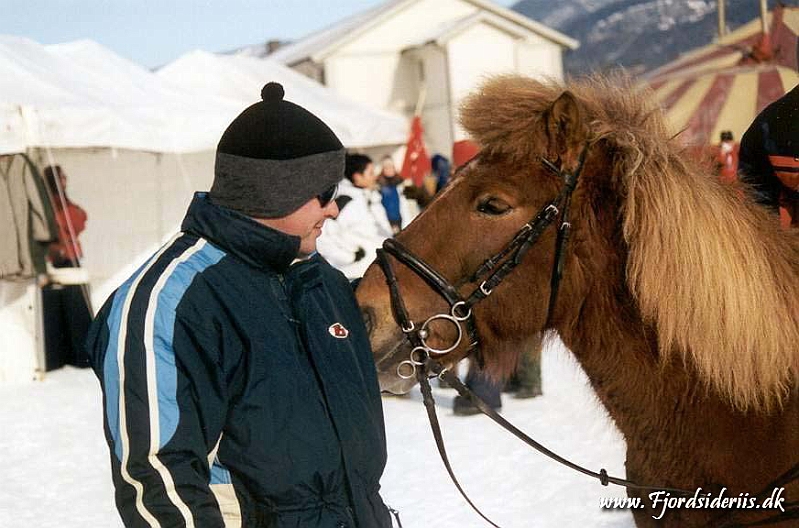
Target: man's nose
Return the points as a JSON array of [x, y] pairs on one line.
[[331, 211]]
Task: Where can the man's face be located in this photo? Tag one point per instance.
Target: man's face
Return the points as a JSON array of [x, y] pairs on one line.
[[388, 169], [306, 223], [366, 179]]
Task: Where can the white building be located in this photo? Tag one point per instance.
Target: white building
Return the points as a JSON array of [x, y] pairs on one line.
[[404, 53]]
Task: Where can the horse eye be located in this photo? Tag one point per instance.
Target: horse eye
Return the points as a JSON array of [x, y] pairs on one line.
[[493, 207]]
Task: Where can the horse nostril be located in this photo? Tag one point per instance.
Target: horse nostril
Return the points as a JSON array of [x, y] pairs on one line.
[[368, 319]]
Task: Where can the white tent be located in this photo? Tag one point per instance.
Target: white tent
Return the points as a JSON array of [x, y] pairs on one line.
[[133, 148], [241, 78], [82, 95]]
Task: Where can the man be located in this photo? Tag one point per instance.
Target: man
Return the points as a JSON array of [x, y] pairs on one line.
[[238, 382], [768, 160], [350, 242]]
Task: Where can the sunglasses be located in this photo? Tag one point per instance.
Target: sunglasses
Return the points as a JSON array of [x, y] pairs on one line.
[[328, 195]]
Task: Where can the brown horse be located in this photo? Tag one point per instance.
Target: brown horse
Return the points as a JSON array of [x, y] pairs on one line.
[[678, 297]]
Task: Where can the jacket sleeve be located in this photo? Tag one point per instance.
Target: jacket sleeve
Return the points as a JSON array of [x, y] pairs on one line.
[[754, 168], [165, 401]]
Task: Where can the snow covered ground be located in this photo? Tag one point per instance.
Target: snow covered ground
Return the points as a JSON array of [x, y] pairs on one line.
[[56, 469]]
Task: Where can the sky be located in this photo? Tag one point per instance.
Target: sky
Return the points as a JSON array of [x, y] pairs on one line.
[[155, 32]]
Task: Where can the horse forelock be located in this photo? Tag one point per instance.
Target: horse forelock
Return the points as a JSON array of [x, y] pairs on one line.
[[711, 271]]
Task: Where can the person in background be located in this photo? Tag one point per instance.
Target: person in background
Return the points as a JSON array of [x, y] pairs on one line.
[[390, 195], [350, 241], [239, 385], [524, 383], [441, 171], [71, 219], [65, 301], [401, 199], [727, 158], [768, 161]]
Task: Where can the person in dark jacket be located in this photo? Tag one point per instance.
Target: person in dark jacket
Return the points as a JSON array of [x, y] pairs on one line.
[[66, 306], [768, 160], [239, 386]]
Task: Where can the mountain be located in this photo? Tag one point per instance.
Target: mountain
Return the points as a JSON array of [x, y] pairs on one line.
[[637, 34]]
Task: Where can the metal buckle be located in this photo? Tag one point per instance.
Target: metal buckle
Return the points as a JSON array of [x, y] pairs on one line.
[[485, 291], [455, 309], [551, 166]]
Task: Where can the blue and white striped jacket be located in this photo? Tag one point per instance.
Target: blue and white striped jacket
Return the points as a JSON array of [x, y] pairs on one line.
[[239, 390]]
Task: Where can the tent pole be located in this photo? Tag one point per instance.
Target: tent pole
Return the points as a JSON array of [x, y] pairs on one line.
[[763, 15], [722, 18], [41, 346]]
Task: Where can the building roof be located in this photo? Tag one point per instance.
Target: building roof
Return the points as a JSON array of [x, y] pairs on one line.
[[442, 34], [317, 46]]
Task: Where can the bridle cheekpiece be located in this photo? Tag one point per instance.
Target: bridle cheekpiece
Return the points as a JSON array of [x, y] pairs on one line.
[[490, 274]]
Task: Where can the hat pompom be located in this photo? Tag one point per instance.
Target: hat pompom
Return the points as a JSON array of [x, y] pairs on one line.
[[272, 91]]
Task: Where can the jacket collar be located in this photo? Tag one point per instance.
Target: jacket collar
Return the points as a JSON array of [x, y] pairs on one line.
[[347, 188], [256, 244]]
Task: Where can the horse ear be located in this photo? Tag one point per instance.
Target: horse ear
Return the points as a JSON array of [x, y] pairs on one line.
[[565, 127]]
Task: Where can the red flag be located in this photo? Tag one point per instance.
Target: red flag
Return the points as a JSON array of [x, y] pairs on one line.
[[416, 164]]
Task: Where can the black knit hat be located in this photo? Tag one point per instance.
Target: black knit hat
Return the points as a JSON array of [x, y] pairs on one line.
[[274, 157]]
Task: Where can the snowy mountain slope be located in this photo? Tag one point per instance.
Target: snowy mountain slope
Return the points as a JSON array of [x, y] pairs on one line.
[[637, 34]]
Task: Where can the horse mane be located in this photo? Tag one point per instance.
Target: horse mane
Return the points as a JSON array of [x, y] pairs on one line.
[[716, 277]]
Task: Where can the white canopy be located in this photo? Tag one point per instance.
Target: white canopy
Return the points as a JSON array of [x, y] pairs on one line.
[[83, 95], [241, 78]]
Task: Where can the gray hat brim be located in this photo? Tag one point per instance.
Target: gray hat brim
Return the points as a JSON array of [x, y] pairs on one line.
[[264, 188]]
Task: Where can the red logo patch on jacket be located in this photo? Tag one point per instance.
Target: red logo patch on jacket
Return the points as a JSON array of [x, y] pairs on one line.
[[338, 331]]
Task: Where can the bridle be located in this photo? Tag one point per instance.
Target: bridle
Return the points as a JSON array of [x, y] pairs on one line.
[[491, 274], [424, 359]]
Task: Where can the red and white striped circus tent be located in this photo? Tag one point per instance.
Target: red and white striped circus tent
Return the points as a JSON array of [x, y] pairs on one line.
[[724, 85]]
